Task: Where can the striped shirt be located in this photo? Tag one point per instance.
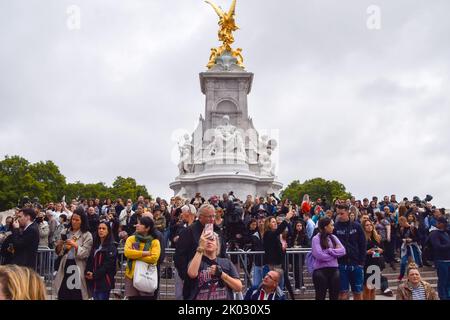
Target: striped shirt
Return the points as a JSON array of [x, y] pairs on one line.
[[418, 293]]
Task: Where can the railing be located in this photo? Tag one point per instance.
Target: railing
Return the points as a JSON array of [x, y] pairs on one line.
[[45, 267], [294, 266], [294, 260]]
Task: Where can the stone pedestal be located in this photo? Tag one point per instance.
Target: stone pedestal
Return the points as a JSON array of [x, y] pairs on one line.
[[217, 183], [226, 153]]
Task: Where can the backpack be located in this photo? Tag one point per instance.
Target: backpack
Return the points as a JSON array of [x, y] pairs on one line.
[[310, 260]]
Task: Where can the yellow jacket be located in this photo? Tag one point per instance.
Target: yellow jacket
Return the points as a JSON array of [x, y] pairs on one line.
[[132, 254]]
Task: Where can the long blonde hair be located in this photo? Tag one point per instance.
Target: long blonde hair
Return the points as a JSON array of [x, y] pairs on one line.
[[20, 283], [374, 234], [267, 224]]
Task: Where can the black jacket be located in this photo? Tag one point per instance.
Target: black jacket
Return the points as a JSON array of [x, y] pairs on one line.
[[130, 228], [162, 255], [440, 242], [299, 239], [272, 245], [354, 240], [257, 245], [370, 259], [114, 224], [103, 264], [6, 255], [175, 231], [185, 250], [25, 246], [94, 221]]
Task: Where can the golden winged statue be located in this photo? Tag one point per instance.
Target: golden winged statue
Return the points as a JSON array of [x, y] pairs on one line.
[[227, 25]]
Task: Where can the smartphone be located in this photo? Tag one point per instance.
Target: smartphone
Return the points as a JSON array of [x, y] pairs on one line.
[[63, 237], [209, 228]]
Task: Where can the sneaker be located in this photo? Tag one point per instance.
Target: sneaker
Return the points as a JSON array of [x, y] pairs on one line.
[[303, 288], [297, 291], [388, 293]]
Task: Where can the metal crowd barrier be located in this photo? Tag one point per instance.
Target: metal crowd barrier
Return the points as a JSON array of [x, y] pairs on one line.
[[293, 264], [45, 267], [294, 261]]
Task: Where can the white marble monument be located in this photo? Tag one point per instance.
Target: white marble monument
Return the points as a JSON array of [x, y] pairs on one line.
[[226, 152]]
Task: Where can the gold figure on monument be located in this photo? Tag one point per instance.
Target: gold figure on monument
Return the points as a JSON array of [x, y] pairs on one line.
[[227, 27]]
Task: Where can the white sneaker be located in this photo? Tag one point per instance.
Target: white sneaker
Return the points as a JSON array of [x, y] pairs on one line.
[[388, 292], [297, 291]]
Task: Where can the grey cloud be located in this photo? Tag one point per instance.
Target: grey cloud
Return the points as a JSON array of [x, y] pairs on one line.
[[368, 108]]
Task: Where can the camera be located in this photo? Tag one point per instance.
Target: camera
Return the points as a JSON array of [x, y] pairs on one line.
[[422, 203]]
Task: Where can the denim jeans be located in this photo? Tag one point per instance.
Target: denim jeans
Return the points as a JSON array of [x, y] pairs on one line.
[[101, 295], [404, 261], [443, 273], [257, 275], [166, 235], [351, 276]]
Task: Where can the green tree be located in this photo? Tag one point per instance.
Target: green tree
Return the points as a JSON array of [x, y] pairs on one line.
[[19, 178], [315, 188], [16, 181], [79, 190], [52, 182], [127, 188]]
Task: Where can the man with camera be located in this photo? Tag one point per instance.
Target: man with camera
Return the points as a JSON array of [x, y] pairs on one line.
[[25, 239], [125, 214], [198, 197]]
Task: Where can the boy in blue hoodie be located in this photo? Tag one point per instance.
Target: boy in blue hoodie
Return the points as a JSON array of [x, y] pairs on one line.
[[351, 266]]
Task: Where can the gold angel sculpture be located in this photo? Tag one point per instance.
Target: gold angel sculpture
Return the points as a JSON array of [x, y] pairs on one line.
[[227, 25]]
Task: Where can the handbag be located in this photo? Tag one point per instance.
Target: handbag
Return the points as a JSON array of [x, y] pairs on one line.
[[145, 277]]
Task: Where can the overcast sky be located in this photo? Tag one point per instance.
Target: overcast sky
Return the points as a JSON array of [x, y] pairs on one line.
[[367, 107]]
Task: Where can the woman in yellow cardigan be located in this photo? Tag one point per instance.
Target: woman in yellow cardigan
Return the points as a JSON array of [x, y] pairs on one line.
[[143, 246]]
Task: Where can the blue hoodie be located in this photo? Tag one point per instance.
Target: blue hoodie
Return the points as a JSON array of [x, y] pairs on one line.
[[352, 237]]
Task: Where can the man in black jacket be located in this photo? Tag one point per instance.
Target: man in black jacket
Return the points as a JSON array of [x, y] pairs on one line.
[[130, 228], [188, 242], [440, 242], [25, 241], [351, 266], [93, 219]]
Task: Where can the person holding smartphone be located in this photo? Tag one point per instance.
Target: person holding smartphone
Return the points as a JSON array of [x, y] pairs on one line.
[[74, 248], [187, 245], [215, 278], [374, 257]]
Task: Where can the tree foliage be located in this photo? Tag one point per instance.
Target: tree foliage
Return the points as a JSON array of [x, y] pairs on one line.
[[315, 188], [20, 178]]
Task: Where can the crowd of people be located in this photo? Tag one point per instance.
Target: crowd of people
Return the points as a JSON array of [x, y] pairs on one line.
[[346, 238]]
